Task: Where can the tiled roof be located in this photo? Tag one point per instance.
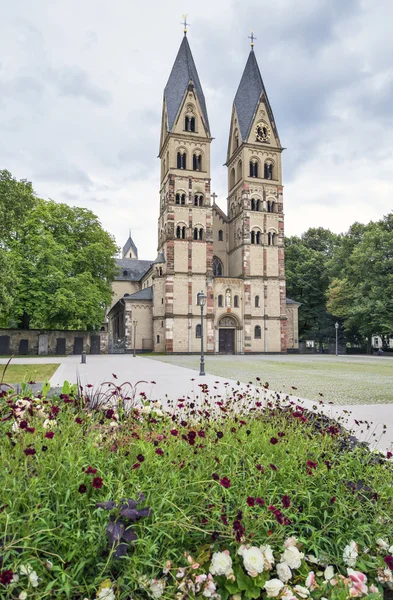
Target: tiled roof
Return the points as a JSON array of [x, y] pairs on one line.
[[183, 72], [289, 301], [131, 269], [248, 95], [145, 294]]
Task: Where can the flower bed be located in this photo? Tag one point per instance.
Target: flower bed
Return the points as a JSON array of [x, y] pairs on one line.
[[109, 496]]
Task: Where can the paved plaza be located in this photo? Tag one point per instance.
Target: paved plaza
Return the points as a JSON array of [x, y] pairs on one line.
[[174, 381]]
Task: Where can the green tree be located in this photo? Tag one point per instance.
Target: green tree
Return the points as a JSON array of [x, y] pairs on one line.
[[64, 260], [17, 198]]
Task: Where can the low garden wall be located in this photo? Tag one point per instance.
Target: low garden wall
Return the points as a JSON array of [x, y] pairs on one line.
[[25, 342]]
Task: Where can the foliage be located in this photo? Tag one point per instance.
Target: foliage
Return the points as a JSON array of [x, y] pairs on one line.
[[59, 262], [216, 472]]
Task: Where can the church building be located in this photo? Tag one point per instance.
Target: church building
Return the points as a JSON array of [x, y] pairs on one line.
[[235, 257]]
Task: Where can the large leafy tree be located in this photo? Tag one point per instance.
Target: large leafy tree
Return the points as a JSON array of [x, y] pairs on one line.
[[58, 262]]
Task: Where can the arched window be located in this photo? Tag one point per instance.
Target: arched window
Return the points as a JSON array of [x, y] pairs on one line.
[[198, 200], [253, 237], [198, 331], [252, 203], [181, 160], [187, 123], [178, 232], [200, 236], [271, 206], [158, 339], [256, 301], [233, 178], [268, 170], [253, 168], [239, 170], [177, 198], [236, 140], [274, 239], [192, 124], [220, 300], [160, 271], [220, 235], [258, 237], [257, 332], [236, 302], [195, 233], [269, 239], [217, 267], [183, 233], [259, 204], [125, 273], [197, 162]]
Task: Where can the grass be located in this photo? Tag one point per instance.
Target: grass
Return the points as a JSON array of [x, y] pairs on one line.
[[342, 380], [180, 461], [29, 372]]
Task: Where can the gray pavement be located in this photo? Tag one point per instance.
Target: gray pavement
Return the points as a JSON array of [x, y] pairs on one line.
[[375, 421]]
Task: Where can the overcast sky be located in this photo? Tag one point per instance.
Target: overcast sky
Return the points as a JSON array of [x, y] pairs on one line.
[[81, 85]]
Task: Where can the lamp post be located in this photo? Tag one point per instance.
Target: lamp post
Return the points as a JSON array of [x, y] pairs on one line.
[[201, 301], [135, 323], [336, 326]]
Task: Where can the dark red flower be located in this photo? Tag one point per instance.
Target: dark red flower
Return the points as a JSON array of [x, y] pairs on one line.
[[23, 425], [97, 483], [333, 499], [140, 458], [174, 432], [82, 488], [260, 468], [54, 411], [328, 464], [224, 519], [136, 466], [90, 470], [30, 429], [215, 477], [44, 448], [311, 464], [260, 502], [78, 420], [273, 440], [29, 451], [389, 562], [286, 502], [49, 435], [201, 434], [110, 413], [220, 434], [250, 501], [6, 577], [160, 451], [389, 454], [281, 434], [225, 482], [273, 467], [183, 423]]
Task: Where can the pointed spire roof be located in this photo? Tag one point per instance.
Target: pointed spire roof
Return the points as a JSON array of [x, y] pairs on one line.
[[129, 245], [248, 95], [183, 73]]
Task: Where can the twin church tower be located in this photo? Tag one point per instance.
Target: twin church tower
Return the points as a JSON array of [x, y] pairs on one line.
[[236, 258]]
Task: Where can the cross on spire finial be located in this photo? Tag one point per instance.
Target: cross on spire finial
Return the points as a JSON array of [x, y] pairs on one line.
[[252, 38], [185, 24], [214, 196]]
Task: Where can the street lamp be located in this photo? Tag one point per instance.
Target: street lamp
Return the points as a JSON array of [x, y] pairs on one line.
[[336, 326], [201, 301], [135, 323]]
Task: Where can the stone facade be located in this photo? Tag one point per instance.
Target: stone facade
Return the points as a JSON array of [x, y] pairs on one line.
[[236, 258], [41, 341]]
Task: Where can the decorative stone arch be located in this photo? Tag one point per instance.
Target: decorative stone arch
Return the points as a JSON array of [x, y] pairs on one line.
[[269, 169], [256, 235], [180, 196], [199, 198], [181, 230], [271, 204], [228, 334], [181, 157], [197, 159], [255, 167], [198, 231], [272, 237], [256, 202]]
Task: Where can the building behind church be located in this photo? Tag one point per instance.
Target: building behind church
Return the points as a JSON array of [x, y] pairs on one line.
[[235, 257]]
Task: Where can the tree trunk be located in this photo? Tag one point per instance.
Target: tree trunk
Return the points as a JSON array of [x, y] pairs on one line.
[[24, 323]]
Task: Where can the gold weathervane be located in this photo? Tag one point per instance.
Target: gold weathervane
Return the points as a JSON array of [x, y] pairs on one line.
[[252, 38], [185, 24]]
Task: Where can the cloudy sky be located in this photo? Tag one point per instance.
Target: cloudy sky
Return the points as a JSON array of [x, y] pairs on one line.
[[81, 84]]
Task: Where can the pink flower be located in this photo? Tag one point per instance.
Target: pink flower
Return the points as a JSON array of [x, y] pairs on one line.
[[358, 581], [310, 581]]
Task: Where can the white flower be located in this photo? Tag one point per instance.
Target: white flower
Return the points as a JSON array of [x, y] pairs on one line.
[[382, 544], [273, 587], [268, 555], [390, 550], [254, 560], [106, 593], [292, 557], [158, 412], [291, 541], [329, 573], [284, 572], [146, 410], [49, 424], [221, 564], [350, 554], [156, 588], [236, 597], [209, 589], [312, 559], [301, 591], [22, 596], [15, 427], [33, 578], [25, 569]]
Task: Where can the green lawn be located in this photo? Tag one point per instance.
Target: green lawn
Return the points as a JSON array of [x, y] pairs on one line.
[[30, 372], [342, 380]]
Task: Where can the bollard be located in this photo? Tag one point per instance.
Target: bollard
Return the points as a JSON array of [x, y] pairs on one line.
[[83, 358]]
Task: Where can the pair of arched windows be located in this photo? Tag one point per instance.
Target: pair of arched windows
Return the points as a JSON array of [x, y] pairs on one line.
[[181, 160], [189, 123], [180, 198], [253, 168], [197, 162], [256, 204], [198, 233], [271, 238], [198, 200], [256, 237], [271, 206], [257, 332], [181, 232]]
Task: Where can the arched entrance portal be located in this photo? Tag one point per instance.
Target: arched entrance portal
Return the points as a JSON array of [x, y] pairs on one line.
[[227, 335]]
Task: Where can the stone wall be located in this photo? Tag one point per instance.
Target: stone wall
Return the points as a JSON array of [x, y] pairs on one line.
[[24, 342]]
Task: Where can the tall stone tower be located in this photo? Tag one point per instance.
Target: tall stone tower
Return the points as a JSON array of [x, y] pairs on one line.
[[185, 236], [255, 211]]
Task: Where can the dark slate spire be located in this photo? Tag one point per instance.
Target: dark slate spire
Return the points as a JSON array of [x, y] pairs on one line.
[[129, 245], [248, 95], [183, 72]]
